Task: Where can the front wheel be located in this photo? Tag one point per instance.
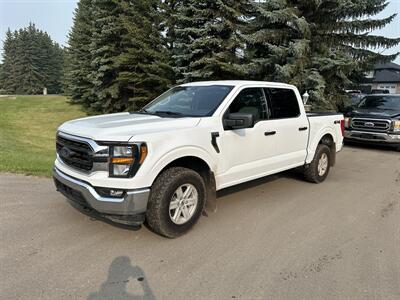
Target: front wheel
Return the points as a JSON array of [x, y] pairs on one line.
[[176, 201], [318, 169]]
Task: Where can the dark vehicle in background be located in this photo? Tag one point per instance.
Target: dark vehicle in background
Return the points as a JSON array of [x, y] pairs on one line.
[[355, 96], [379, 91], [375, 120]]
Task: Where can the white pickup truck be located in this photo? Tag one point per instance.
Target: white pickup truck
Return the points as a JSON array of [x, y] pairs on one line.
[[164, 163]]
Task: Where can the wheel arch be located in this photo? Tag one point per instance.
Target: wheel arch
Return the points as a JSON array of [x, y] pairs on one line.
[[325, 135], [199, 164], [328, 140]]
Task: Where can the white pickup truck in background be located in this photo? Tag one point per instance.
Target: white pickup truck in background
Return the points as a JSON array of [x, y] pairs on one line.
[[164, 164]]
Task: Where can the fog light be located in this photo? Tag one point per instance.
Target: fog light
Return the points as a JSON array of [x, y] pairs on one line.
[[106, 192], [395, 136], [116, 193]]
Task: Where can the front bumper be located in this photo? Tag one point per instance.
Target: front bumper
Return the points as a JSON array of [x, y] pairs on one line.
[[372, 137], [82, 193]]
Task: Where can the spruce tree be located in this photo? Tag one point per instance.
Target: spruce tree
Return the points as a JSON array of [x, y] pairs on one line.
[[143, 65], [105, 45], [31, 62], [208, 42], [340, 43], [78, 57], [168, 14], [7, 76], [120, 55], [316, 45]]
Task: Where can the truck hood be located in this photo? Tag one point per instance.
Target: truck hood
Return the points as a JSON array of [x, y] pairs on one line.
[[374, 113], [121, 127]]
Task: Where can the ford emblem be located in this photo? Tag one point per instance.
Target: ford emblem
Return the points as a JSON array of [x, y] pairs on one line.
[[65, 152], [369, 124]]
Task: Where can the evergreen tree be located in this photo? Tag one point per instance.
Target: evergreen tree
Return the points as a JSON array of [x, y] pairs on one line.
[[143, 65], [125, 58], [168, 15], [78, 58], [208, 43], [7, 75], [120, 50], [317, 45], [31, 62]]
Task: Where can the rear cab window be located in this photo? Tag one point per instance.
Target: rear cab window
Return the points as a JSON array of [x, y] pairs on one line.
[[282, 102]]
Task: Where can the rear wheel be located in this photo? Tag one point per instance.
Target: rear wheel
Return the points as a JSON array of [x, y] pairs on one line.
[[176, 201], [318, 169]]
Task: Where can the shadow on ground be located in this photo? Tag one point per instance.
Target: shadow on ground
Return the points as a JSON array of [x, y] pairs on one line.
[[366, 146], [291, 174], [97, 217], [120, 274]]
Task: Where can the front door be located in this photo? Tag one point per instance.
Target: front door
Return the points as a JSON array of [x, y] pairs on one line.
[[247, 152]]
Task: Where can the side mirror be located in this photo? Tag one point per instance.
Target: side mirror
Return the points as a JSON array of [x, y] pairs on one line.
[[238, 121]]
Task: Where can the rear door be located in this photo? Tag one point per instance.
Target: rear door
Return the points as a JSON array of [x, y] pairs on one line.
[[290, 122]]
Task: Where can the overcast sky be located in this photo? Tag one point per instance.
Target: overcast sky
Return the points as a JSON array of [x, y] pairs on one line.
[[55, 17]]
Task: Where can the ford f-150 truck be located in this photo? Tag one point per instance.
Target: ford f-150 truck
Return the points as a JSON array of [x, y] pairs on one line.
[[164, 163], [375, 120]]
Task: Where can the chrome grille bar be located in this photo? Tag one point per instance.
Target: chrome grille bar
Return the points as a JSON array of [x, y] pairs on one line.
[[366, 124]]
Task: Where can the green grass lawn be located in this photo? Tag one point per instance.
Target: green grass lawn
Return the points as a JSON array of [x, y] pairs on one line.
[[28, 126]]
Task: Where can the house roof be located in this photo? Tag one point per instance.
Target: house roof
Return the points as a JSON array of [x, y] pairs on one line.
[[385, 75], [387, 66]]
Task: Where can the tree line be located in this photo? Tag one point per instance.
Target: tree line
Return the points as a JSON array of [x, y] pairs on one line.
[[31, 62], [123, 53]]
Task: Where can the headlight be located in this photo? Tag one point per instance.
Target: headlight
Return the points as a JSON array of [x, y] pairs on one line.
[[396, 126], [347, 122], [122, 151], [125, 160]]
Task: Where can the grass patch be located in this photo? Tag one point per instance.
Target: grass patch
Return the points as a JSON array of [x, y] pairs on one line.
[[28, 127]]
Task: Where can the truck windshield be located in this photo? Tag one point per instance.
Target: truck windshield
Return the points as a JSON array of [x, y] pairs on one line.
[[189, 101], [385, 102]]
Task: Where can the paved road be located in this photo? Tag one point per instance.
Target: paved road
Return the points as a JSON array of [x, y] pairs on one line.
[[276, 238]]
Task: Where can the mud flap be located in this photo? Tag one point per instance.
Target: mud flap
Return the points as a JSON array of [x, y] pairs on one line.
[[211, 203]]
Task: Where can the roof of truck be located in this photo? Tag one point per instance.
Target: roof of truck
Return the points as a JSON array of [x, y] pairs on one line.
[[237, 83]]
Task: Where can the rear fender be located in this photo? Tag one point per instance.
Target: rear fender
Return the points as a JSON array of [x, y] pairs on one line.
[[312, 147]]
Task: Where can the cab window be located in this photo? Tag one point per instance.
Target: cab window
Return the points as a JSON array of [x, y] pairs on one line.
[[282, 103], [250, 101]]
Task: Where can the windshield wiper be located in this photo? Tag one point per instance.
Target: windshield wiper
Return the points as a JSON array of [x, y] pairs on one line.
[[142, 111], [162, 112], [169, 113]]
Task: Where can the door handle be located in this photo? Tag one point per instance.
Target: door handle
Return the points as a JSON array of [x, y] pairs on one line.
[[269, 133], [303, 128]]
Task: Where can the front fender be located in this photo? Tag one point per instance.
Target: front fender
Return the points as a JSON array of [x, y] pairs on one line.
[[178, 153]]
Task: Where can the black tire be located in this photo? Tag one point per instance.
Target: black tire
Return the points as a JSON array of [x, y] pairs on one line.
[[311, 172], [158, 214]]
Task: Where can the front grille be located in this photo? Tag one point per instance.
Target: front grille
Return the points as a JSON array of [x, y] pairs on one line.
[[371, 125], [76, 154], [71, 194]]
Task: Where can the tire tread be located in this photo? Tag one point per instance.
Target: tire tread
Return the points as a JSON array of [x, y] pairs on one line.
[[310, 171], [154, 217]]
